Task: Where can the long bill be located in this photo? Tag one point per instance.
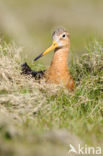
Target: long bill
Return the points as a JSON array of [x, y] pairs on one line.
[[52, 47]]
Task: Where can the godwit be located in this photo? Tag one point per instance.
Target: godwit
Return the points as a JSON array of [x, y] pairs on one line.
[[58, 72]]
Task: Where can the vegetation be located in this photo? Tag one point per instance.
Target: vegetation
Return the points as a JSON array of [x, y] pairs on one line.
[[40, 119]]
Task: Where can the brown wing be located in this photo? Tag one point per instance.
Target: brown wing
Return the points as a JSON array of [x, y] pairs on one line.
[[70, 84]]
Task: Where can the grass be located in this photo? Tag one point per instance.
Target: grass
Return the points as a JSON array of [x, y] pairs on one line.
[[39, 119], [36, 20]]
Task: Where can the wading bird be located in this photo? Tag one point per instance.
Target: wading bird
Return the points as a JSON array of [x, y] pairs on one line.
[[58, 72]]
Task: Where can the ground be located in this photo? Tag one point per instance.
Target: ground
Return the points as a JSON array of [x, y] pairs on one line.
[[39, 119]]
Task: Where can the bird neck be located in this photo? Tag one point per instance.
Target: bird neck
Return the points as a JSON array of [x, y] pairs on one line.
[[59, 61]]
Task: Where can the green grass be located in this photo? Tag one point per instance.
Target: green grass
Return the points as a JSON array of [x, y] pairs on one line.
[[38, 119], [36, 21]]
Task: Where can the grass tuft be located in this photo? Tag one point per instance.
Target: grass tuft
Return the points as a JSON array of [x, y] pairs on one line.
[[40, 119]]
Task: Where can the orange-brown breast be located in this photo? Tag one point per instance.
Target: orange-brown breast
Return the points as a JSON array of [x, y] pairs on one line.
[[58, 72]]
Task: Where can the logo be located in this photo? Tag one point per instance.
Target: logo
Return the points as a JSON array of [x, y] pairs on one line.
[[85, 150]]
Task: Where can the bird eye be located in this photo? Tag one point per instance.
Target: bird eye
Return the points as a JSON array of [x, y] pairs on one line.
[[63, 35]]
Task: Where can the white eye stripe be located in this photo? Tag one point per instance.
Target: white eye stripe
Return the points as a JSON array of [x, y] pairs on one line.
[[56, 38]]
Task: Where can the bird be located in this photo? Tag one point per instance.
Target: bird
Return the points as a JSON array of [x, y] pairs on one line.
[[58, 72]]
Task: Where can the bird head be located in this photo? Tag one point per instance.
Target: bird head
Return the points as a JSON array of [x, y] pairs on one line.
[[61, 39]]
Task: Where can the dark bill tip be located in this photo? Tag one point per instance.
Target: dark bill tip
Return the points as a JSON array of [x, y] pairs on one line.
[[38, 57]]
